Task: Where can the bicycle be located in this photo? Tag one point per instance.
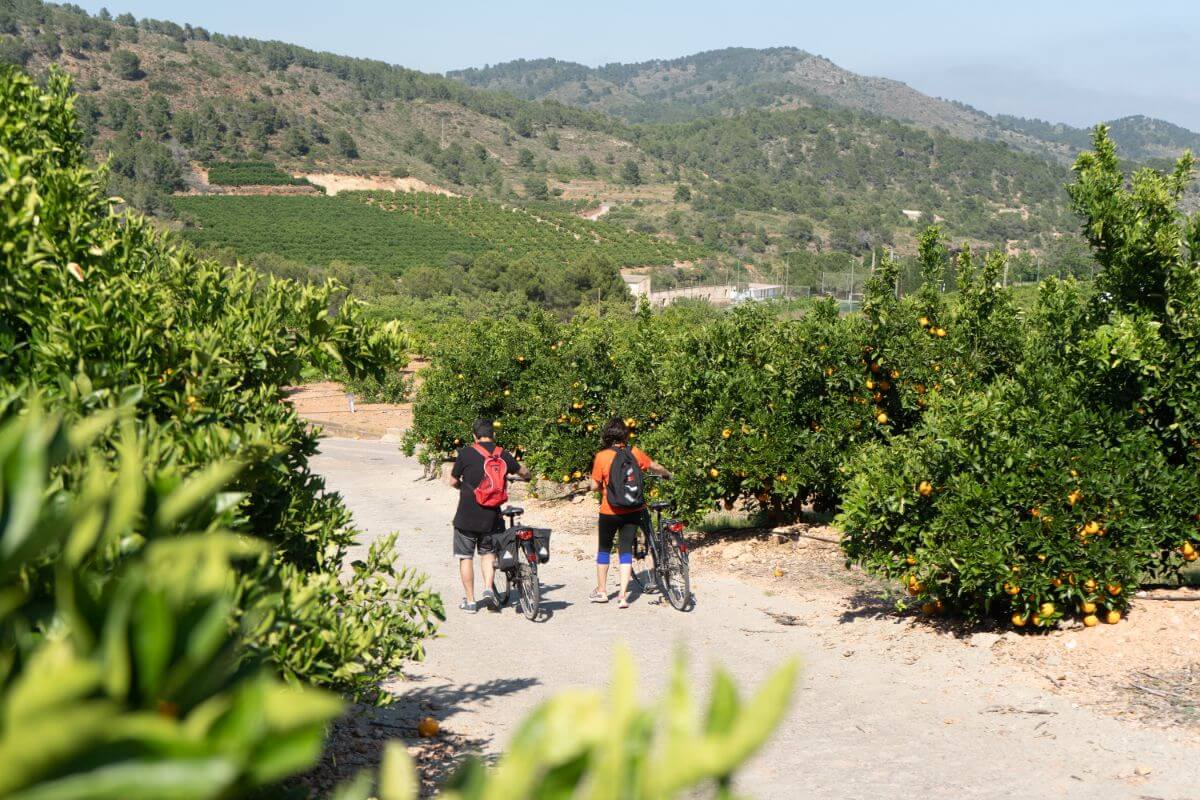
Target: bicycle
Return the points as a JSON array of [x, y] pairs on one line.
[[665, 546], [518, 552]]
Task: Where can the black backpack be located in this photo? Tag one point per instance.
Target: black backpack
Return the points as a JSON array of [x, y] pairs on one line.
[[626, 488]]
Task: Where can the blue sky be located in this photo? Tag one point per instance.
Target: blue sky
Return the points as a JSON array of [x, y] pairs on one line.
[[1062, 60]]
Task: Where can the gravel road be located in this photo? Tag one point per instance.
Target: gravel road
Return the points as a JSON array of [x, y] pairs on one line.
[[869, 718]]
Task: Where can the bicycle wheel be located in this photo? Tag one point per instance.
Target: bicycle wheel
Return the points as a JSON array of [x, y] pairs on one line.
[[643, 564], [530, 591], [501, 587], [673, 577]]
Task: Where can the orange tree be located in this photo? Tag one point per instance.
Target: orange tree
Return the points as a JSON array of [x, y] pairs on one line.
[[741, 405], [1058, 485], [758, 410], [479, 370], [600, 368], [102, 315], [919, 346]]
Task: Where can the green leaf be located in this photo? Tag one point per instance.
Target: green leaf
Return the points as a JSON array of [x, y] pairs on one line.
[[141, 780], [397, 774], [153, 634], [195, 491], [724, 704], [54, 676]]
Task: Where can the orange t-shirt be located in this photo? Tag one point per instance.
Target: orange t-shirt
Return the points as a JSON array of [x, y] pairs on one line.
[[600, 471]]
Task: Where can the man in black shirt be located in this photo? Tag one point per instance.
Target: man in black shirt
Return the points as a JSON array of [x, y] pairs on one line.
[[474, 524]]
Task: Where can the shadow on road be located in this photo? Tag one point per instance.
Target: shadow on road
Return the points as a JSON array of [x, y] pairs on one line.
[[547, 608], [867, 604], [445, 699]]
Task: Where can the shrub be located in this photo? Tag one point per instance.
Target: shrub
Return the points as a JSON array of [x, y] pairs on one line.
[[125, 678], [757, 408], [99, 311], [1072, 476], [478, 373], [760, 400], [126, 65]]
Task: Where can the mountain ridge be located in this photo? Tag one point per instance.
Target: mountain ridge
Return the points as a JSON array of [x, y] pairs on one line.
[[736, 79]]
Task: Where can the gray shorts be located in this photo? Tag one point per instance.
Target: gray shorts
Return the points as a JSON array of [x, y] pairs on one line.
[[466, 543]]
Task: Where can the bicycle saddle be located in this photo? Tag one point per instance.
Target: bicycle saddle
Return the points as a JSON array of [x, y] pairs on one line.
[[659, 505], [512, 511]]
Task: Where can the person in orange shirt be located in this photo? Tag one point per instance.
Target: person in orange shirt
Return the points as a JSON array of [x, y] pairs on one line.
[[622, 507]]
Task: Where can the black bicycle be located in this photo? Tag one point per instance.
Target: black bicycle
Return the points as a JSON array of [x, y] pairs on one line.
[[660, 557], [519, 550]]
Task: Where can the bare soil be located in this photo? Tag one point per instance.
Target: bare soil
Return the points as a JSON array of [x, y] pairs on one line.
[[334, 183], [327, 406]]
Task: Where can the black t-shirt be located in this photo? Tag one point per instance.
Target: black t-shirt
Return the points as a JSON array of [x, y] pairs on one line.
[[468, 468]]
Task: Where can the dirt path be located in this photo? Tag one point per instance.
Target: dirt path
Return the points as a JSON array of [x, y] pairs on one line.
[[596, 213], [872, 717]]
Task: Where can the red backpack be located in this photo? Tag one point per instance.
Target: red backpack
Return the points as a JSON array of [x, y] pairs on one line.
[[492, 491]]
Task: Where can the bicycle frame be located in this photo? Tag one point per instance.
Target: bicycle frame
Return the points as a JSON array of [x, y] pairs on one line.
[[526, 551]]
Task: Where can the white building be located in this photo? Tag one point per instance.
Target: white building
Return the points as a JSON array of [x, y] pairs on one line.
[[757, 291], [638, 285]]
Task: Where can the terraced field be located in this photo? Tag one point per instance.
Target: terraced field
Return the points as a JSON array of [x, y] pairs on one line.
[[391, 233]]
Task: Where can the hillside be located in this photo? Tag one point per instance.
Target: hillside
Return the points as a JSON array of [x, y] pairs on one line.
[[718, 81], [166, 102], [159, 94], [859, 178], [1144, 138], [734, 79]]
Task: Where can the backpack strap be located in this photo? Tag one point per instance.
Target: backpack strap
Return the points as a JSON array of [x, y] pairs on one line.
[[483, 451]]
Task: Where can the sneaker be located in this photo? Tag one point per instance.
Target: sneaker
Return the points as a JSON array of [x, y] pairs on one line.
[[622, 603], [598, 596], [489, 600], [468, 607]]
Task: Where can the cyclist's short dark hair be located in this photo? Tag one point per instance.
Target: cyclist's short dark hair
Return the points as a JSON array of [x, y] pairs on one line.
[[483, 429], [615, 432]]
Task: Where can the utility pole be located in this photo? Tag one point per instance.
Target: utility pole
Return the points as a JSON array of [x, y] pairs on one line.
[[851, 294]]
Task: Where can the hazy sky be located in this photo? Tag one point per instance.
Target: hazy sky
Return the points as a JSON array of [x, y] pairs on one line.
[[1062, 60]]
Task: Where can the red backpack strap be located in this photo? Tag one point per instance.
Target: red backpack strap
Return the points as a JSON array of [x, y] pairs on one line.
[[483, 451]]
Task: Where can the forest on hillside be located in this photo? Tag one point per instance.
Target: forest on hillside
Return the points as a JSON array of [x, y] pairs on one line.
[[786, 192]]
